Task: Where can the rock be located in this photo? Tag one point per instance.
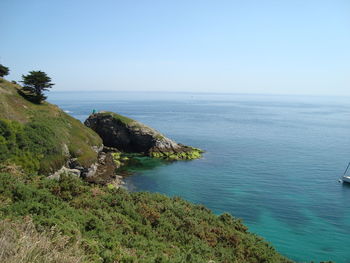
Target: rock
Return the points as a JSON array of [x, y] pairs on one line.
[[65, 150], [66, 171], [97, 149], [131, 136], [91, 171], [110, 149], [103, 172]]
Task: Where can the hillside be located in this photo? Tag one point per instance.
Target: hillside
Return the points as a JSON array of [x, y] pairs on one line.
[[41, 137], [71, 220]]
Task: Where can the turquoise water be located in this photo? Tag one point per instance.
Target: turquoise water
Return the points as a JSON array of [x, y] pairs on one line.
[[272, 160]]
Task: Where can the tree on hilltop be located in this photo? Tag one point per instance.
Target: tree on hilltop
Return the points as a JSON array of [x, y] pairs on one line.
[[34, 85], [4, 70]]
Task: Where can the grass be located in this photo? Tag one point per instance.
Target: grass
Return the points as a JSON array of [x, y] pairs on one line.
[[37, 136], [131, 123], [123, 119], [20, 242]]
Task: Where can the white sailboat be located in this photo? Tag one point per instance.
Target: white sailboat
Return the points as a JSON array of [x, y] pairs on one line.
[[346, 178]]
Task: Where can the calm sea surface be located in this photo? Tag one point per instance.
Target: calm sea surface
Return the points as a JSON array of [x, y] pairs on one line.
[[272, 160]]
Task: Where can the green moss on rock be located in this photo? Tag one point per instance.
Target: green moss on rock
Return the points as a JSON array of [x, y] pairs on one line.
[[119, 117], [190, 154], [120, 159]]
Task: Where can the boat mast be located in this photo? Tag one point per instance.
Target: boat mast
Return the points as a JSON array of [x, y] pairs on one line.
[[347, 168]]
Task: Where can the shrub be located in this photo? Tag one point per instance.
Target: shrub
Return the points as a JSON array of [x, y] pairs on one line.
[[113, 225], [26, 145]]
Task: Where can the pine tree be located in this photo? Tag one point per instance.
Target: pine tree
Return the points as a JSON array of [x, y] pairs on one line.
[[4, 70], [35, 83]]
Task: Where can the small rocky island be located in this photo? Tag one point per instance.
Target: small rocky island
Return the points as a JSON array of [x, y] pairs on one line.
[[130, 136]]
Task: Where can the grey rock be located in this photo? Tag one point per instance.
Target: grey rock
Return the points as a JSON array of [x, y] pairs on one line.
[[131, 136], [66, 171]]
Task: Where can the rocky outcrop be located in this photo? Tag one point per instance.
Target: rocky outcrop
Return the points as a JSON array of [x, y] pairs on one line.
[[66, 171], [104, 170], [128, 135], [101, 172]]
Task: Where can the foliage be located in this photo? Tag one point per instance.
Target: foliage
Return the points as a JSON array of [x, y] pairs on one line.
[[15, 146], [114, 225], [27, 144], [121, 118], [40, 137], [4, 70], [37, 146], [35, 83]]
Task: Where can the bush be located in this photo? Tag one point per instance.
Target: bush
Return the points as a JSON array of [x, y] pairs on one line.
[[117, 226], [26, 145]]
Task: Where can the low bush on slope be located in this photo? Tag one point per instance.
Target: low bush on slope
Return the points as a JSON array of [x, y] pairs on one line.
[[117, 226]]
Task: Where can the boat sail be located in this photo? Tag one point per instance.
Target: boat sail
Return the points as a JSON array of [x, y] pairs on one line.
[[346, 178]]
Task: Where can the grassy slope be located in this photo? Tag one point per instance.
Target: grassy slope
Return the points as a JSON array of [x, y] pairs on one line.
[[113, 225], [52, 129]]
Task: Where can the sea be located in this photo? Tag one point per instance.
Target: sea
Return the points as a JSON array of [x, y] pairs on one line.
[[272, 160]]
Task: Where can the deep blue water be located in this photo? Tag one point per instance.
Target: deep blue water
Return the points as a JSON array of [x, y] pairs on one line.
[[272, 160]]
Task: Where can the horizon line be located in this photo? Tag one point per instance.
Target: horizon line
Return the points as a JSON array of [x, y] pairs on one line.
[[209, 93]]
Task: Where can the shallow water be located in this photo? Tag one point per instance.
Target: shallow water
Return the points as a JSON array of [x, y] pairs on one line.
[[272, 160]]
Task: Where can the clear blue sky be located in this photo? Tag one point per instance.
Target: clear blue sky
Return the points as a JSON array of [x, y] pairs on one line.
[[282, 47]]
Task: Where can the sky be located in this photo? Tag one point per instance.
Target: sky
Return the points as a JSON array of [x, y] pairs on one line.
[[264, 47]]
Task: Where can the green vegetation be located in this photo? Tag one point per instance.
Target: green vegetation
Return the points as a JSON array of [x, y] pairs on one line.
[[41, 137], [117, 159], [191, 154], [128, 121], [35, 83], [113, 225], [23, 145], [123, 119], [4, 71]]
